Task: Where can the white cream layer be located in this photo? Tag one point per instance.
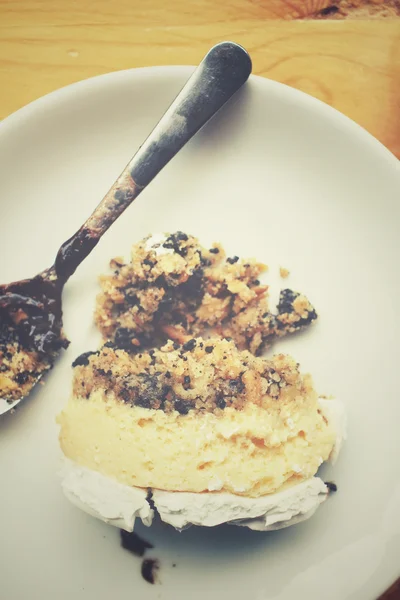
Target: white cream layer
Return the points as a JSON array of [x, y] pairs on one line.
[[104, 498], [120, 505], [272, 511]]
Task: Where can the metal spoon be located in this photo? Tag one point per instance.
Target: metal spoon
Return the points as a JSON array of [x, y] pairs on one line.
[[30, 310]]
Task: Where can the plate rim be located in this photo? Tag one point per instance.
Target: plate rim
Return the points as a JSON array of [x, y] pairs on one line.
[[302, 98], [322, 109]]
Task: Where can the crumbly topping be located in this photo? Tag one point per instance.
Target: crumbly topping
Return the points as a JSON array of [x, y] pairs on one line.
[[175, 288], [294, 312], [19, 365], [283, 272], [200, 375]]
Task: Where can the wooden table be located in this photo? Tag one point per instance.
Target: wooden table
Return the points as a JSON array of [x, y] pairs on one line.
[[353, 64], [347, 53]]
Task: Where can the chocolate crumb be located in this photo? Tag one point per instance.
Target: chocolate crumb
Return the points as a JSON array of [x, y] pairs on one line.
[[109, 344], [173, 242], [332, 487], [209, 349], [182, 407], [134, 543], [190, 345], [22, 378], [149, 498], [232, 260], [214, 250], [83, 359], [149, 568], [123, 338], [221, 402]]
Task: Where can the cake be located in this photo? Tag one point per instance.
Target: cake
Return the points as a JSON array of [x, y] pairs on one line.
[[202, 432], [177, 412]]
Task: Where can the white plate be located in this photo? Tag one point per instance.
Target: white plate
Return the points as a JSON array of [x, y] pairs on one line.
[[277, 175]]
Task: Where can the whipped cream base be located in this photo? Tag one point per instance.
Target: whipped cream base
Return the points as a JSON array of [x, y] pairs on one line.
[[104, 498], [120, 505], [272, 511]]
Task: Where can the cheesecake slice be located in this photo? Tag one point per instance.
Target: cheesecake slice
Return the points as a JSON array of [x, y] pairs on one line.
[[207, 432]]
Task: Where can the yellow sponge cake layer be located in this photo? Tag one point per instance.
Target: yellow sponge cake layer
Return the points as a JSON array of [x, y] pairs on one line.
[[134, 419]]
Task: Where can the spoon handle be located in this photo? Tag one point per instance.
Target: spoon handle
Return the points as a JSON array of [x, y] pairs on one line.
[[221, 73]]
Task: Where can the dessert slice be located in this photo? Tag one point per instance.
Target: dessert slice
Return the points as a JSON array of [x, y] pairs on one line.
[[212, 433], [174, 287]]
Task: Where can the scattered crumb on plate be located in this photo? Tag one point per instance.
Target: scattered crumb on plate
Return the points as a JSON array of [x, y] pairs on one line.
[[149, 569]]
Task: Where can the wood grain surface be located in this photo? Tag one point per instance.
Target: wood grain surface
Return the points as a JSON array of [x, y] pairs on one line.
[[352, 63]]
